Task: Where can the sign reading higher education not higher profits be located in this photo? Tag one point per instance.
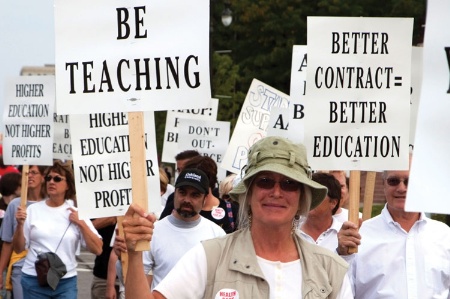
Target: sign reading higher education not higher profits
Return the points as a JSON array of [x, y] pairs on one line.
[[431, 160], [101, 150], [28, 120], [134, 55], [358, 93]]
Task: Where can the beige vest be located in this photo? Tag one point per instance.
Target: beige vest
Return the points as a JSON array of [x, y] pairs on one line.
[[232, 265]]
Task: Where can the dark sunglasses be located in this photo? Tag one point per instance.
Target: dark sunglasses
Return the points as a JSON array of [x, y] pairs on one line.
[[55, 178], [285, 185], [395, 181]]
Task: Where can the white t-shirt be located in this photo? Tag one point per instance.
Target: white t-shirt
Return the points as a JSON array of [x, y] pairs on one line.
[[172, 238], [193, 265], [43, 230], [343, 215]]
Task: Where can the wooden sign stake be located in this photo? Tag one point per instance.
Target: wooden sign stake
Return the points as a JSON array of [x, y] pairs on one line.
[[353, 208]]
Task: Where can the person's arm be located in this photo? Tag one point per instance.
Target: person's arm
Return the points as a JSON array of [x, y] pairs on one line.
[[19, 237], [93, 242], [137, 229], [111, 277], [5, 256], [103, 222]]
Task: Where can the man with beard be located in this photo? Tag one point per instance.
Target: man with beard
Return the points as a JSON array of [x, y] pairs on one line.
[[183, 229]]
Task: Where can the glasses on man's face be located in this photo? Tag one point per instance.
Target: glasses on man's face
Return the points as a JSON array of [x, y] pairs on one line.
[[55, 178], [33, 173], [395, 181], [285, 184]]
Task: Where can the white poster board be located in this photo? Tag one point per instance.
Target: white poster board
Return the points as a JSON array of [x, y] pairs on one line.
[[62, 145], [358, 93], [171, 134], [209, 138], [432, 145], [416, 87], [101, 152], [252, 122], [128, 56], [298, 73], [28, 120]]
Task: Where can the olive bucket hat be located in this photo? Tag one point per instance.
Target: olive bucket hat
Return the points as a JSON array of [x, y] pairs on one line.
[[279, 155]]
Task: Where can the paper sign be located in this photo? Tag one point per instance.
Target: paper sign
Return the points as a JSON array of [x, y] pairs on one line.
[[358, 93], [113, 55], [252, 123], [432, 145], [171, 134], [101, 152], [209, 138], [28, 120], [62, 146]]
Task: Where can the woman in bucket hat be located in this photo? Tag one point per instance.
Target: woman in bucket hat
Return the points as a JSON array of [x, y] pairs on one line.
[[265, 258]]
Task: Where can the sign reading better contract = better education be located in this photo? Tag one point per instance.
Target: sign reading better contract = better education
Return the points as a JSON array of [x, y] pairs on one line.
[[28, 120], [358, 93], [131, 55]]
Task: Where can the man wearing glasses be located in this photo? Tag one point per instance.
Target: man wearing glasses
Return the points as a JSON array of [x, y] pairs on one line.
[[401, 254]]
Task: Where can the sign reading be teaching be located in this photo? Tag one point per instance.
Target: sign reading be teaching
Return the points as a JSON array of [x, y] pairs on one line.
[[126, 55]]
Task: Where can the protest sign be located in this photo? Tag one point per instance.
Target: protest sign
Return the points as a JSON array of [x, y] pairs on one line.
[[209, 138], [62, 146], [171, 134], [431, 144], [358, 93], [28, 119], [252, 123], [298, 73], [131, 56], [101, 151], [416, 87]]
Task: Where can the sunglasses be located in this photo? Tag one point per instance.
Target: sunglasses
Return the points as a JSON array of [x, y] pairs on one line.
[[395, 181], [55, 178], [285, 185]]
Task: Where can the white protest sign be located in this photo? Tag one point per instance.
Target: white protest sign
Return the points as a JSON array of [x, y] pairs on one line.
[[252, 123], [416, 87], [431, 159], [62, 146], [298, 73], [131, 55], [358, 93], [28, 119], [209, 138], [288, 122], [101, 151], [171, 135]]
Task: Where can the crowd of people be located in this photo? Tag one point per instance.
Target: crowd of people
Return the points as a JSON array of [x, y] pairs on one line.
[[277, 230]]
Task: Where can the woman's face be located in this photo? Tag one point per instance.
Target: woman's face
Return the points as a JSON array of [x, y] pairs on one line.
[[56, 184], [35, 178], [275, 199]]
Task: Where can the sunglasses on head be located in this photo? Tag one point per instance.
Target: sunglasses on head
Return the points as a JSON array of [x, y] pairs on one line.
[[55, 178], [285, 185], [395, 181]]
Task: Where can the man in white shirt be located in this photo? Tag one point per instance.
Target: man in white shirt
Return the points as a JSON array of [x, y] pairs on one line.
[[177, 233], [402, 254], [320, 227]]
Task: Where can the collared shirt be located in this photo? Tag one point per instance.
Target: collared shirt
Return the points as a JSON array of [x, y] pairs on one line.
[[393, 263], [327, 239]]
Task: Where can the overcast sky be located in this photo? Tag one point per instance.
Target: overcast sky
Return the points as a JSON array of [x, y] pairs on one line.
[[27, 38]]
